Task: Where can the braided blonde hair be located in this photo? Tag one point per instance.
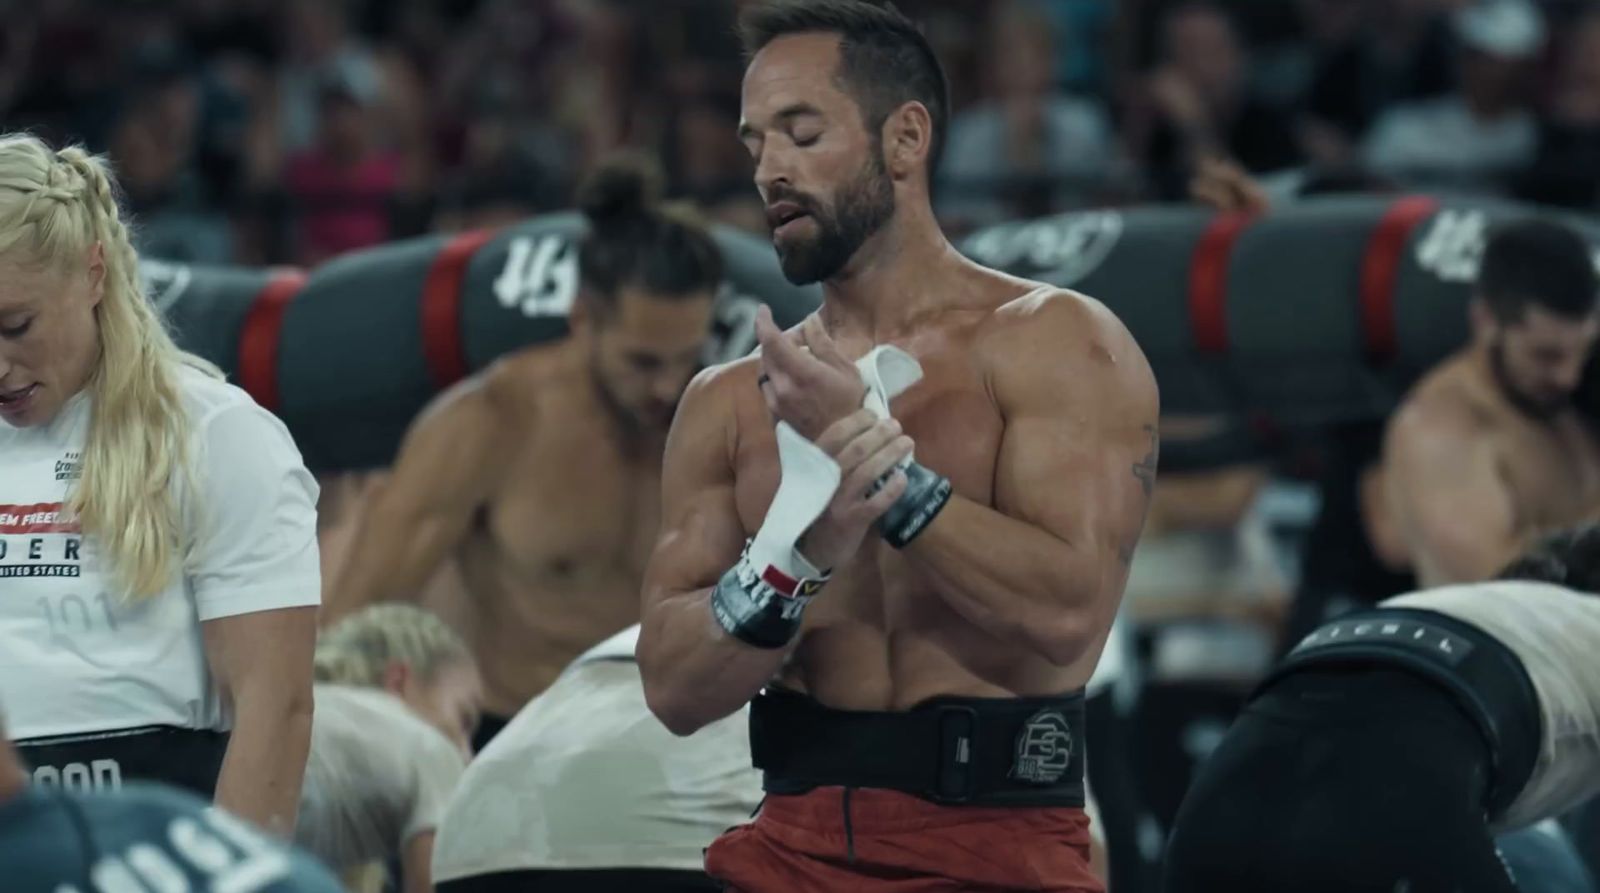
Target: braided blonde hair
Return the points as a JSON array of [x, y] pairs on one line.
[[54, 206], [358, 649]]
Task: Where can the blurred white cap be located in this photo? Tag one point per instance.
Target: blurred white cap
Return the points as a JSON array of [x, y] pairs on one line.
[[1511, 29]]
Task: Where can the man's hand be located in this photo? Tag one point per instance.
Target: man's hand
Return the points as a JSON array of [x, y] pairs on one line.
[[809, 390], [866, 449], [1224, 186]]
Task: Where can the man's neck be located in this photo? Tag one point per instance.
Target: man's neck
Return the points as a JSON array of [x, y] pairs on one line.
[[893, 279]]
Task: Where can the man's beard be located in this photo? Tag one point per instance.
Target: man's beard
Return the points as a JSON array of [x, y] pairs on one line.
[[1542, 410], [633, 424], [860, 209]]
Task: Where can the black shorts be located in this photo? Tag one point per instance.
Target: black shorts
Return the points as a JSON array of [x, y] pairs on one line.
[[1359, 780], [101, 761]]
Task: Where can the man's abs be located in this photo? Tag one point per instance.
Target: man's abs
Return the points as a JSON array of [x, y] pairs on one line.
[[527, 627], [872, 643]]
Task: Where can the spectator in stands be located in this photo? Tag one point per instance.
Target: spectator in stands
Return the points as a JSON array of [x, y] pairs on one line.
[[343, 188], [1027, 136], [496, 195], [1196, 104], [1564, 171], [1365, 56], [320, 50], [153, 147], [1487, 129], [706, 165]]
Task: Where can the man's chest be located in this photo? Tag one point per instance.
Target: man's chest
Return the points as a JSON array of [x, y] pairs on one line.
[[572, 506], [1553, 472], [950, 416]]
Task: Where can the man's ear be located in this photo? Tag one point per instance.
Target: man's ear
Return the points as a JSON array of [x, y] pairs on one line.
[[908, 140]]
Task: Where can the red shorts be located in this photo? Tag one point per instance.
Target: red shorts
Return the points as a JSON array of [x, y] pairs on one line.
[[897, 843]]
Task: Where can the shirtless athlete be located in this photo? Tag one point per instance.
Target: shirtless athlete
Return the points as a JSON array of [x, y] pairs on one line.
[[923, 724], [1488, 451], [541, 476]]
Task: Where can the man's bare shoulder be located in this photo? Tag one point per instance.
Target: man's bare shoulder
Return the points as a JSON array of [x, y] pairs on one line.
[[708, 418], [1058, 328], [490, 406], [715, 394], [1444, 406], [520, 382]]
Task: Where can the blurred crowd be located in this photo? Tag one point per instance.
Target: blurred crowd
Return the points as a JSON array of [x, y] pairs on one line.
[[272, 131]]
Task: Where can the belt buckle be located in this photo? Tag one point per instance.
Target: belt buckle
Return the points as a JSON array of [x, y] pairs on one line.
[[958, 727]]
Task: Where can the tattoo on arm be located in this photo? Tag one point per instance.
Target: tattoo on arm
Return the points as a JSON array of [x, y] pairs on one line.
[[1145, 469]]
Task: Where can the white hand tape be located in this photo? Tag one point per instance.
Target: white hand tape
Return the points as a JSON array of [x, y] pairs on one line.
[[808, 479], [887, 372]]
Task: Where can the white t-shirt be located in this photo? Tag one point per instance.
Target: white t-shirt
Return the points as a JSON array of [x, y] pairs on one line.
[[586, 777], [1556, 633], [377, 776], [74, 656]]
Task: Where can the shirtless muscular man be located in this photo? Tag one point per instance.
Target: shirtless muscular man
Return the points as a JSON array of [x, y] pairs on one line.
[[923, 627], [1488, 451], [541, 475]]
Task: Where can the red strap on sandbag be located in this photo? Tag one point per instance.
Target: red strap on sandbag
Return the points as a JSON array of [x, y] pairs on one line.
[[259, 337], [1380, 271], [1208, 281], [443, 346]]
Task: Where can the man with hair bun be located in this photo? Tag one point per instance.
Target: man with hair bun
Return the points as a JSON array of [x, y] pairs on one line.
[[158, 549], [541, 475]]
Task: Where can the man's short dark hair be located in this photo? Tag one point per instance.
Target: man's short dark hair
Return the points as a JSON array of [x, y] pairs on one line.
[[884, 61], [1569, 558], [1538, 263]]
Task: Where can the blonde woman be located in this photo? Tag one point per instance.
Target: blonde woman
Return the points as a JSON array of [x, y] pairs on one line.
[[398, 697], [159, 577]]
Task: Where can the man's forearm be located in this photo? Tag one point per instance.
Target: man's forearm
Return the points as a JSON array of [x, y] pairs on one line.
[[266, 762], [694, 673], [1013, 580]]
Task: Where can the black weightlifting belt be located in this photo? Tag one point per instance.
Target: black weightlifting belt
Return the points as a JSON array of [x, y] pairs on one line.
[[1015, 752], [1487, 681], [101, 761]]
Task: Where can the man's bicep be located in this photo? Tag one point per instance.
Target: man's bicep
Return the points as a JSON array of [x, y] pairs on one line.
[[440, 478], [701, 534], [446, 463], [1455, 507], [1081, 446], [1085, 486]]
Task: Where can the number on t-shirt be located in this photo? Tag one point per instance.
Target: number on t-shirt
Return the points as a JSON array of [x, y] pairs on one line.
[[69, 615]]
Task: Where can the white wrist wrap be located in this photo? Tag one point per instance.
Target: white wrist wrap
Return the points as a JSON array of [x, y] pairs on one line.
[[808, 479]]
